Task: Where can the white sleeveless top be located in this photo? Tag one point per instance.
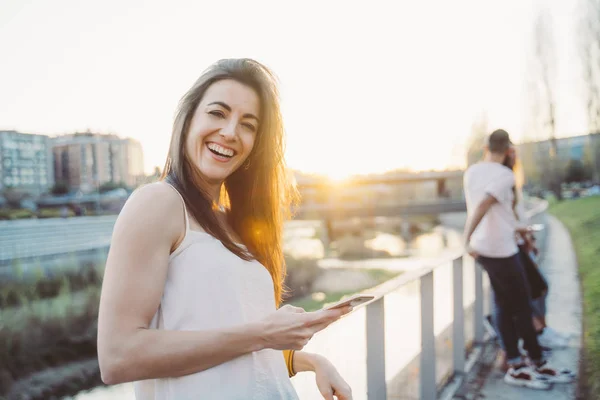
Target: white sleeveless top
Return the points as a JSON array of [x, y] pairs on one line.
[[208, 287]]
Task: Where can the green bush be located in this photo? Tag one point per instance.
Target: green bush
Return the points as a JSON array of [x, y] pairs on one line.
[[11, 214], [47, 333], [53, 213], [19, 293]]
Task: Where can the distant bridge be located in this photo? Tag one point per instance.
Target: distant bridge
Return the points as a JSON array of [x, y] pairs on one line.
[[369, 196], [326, 199]]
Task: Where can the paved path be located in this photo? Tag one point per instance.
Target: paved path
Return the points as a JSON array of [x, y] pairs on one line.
[[564, 314]]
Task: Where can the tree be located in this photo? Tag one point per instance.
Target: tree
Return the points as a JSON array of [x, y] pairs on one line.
[[530, 164], [590, 62], [14, 196], [475, 144], [543, 71], [590, 58], [108, 186], [591, 157], [575, 172]]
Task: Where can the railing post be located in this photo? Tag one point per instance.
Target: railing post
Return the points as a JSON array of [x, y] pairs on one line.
[[478, 306], [376, 386], [428, 363], [458, 323]]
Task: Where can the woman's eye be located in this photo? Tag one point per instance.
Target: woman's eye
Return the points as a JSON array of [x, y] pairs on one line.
[[217, 113], [249, 126]]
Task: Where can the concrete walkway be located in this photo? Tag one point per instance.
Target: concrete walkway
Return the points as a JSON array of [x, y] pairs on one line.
[[559, 265]]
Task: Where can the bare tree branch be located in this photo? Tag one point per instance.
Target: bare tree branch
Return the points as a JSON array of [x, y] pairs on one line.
[[479, 131], [590, 57], [544, 73]]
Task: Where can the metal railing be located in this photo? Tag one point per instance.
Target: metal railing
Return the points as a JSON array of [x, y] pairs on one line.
[[376, 381]]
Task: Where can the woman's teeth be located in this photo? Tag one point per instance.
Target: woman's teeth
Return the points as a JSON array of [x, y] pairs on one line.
[[220, 150]]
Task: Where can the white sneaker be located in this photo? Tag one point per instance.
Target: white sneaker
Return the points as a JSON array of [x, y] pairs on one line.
[[525, 376], [551, 340], [555, 375]]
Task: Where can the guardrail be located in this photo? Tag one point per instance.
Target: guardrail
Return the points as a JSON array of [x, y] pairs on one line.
[[378, 344]]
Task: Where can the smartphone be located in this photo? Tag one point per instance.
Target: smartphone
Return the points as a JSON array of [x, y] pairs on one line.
[[352, 301]]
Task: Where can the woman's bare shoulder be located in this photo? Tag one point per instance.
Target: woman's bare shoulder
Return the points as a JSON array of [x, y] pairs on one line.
[[157, 203]]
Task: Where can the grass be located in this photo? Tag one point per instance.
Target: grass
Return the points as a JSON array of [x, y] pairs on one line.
[[46, 324], [23, 292], [8, 214], [582, 218], [382, 275], [45, 334]]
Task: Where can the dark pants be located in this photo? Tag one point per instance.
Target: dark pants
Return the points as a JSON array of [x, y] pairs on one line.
[[512, 314], [538, 287]]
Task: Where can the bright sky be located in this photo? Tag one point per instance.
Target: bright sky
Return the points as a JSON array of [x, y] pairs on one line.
[[366, 86]]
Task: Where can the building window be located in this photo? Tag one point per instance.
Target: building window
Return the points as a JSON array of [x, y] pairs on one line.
[[27, 153]]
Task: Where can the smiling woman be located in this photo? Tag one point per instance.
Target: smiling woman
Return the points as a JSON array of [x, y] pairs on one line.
[[197, 258]]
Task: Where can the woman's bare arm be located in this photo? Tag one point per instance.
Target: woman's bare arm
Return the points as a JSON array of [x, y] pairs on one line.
[[150, 224]]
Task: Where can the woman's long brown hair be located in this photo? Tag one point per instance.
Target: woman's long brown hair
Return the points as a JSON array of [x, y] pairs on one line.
[[258, 196]]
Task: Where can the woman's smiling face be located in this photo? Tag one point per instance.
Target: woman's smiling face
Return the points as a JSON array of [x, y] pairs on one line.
[[223, 129]]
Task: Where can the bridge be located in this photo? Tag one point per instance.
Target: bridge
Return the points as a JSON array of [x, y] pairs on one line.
[[392, 194], [361, 196]]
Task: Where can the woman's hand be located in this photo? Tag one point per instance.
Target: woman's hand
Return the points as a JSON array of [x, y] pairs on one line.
[[329, 381], [290, 328]]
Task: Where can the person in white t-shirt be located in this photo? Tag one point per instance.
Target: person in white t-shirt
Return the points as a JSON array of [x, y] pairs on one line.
[[490, 238], [548, 338]]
